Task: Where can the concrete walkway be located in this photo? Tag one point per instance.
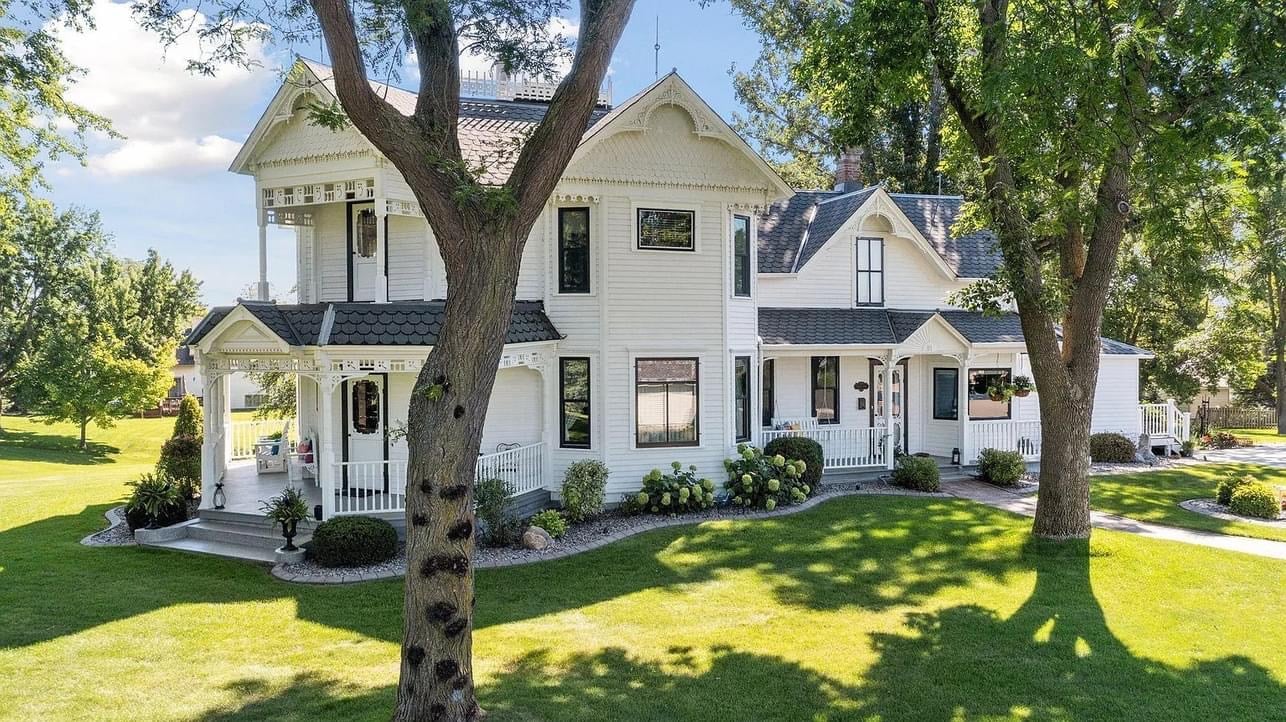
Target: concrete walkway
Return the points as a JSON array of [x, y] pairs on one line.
[[1267, 455], [1000, 498]]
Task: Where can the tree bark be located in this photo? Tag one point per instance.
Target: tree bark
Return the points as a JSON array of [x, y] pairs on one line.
[[1279, 359], [83, 423]]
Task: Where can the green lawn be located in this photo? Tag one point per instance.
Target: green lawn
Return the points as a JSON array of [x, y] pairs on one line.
[[893, 608], [1155, 496], [1259, 436]]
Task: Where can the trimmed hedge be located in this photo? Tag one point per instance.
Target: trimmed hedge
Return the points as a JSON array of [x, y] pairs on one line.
[[1002, 468], [352, 541], [583, 489], [917, 472], [806, 450], [1113, 448], [1229, 484], [1256, 499]]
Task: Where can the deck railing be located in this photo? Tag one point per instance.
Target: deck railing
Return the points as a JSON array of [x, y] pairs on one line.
[[246, 433], [842, 447], [1005, 435], [1167, 420], [523, 467], [369, 487]]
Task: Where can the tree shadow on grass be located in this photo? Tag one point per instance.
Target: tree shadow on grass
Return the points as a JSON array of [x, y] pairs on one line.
[[309, 697], [53, 448]]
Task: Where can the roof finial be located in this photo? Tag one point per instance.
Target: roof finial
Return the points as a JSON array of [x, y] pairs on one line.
[[656, 51]]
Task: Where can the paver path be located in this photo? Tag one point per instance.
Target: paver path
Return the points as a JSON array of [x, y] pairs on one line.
[[1268, 455], [1000, 498]]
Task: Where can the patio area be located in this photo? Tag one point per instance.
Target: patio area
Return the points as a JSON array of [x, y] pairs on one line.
[[245, 488]]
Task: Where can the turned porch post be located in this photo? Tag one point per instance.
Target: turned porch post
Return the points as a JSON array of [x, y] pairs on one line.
[[211, 443], [263, 256], [326, 442], [890, 433], [966, 437], [381, 250]]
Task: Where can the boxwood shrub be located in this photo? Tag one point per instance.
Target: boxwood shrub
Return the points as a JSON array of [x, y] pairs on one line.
[[1230, 483], [917, 472], [181, 461], [806, 450], [551, 521], [1256, 499], [1002, 468], [583, 487], [353, 541], [1112, 448]]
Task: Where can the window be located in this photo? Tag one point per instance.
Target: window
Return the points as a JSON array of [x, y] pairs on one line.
[[666, 230], [980, 404], [741, 255], [364, 235], [870, 272], [254, 401], [769, 405], [573, 250], [825, 378], [946, 394], [573, 384], [366, 407], [665, 401], [741, 394]]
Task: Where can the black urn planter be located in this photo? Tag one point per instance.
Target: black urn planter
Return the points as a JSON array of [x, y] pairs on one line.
[[288, 530]]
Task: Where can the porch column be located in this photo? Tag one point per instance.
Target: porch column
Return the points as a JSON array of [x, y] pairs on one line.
[[211, 444], [326, 442], [263, 256], [381, 250], [966, 435], [225, 417], [890, 433]]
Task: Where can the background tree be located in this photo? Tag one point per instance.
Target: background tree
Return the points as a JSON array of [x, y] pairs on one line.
[[1065, 109], [279, 399]]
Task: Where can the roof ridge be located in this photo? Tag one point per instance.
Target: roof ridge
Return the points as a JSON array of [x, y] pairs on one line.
[[926, 195], [803, 239], [865, 189], [328, 322]]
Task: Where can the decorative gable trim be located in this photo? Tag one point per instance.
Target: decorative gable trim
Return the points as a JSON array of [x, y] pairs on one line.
[[935, 336], [881, 205], [241, 332]]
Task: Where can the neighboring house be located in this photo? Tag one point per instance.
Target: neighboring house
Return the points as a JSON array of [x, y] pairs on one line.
[[675, 298], [243, 393]]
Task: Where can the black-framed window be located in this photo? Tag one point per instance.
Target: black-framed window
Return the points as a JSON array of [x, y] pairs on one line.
[[666, 401], [366, 407], [574, 409], [366, 233], [741, 396], [664, 230], [768, 380], [825, 383], [981, 407], [741, 255], [573, 250], [946, 394], [870, 272]]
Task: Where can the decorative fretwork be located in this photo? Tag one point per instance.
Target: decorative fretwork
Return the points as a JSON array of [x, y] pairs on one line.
[[282, 217], [399, 207], [352, 365], [234, 364], [575, 198], [311, 194]]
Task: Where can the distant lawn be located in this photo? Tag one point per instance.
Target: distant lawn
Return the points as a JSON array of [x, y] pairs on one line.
[[1155, 496], [896, 608], [1259, 436]]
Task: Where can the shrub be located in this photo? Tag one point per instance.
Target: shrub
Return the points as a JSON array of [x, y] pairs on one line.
[[583, 487], [155, 502], [1003, 468], [492, 506], [189, 421], [352, 541], [1230, 483], [551, 521], [917, 472], [1109, 447], [806, 450], [1256, 499], [764, 481], [678, 492], [181, 461], [1224, 440]]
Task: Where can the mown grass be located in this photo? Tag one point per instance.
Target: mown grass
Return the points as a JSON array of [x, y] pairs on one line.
[[1259, 436], [862, 608]]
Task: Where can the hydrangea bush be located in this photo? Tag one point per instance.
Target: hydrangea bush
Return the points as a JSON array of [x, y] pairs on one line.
[[677, 492], [763, 481]]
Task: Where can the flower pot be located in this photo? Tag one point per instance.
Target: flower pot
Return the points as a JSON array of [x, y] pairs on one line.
[[1022, 393], [996, 397]]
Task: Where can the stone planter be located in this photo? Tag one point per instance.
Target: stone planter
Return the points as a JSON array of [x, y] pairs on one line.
[[295, 556], [164, 534]]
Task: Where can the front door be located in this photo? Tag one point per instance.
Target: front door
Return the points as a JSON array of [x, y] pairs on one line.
[[365, 440], [898, 392], [363, 241]]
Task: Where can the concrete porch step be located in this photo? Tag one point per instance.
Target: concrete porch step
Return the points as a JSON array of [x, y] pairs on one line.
[[243, 534], [219, 549]]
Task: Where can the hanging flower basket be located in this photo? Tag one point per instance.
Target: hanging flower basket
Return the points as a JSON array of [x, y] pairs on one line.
[[1022, 387]]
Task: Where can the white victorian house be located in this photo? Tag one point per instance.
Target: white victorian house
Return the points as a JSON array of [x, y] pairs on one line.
[[675, 298]]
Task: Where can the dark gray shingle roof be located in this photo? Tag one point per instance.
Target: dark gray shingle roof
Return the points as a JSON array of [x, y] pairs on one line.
[[980, 328], [782, 228], [829, 216], [973, 255]]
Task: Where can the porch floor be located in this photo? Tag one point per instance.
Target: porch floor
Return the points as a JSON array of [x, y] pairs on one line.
[[246, 488]]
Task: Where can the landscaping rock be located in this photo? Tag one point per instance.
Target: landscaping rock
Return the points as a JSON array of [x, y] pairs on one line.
[[1144, 453], [536, 539]]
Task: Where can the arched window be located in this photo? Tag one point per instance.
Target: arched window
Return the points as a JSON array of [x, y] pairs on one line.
[[366, 407]]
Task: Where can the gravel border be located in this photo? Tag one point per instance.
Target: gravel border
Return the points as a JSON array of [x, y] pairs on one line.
[[611, 527], [1102, 468], [115, 535], [1210, 507]]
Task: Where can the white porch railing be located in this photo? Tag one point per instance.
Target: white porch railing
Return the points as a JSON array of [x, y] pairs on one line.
[[1165, 421], [842, 447], [246, 433], [1005, 435], [368, 487], [523, 467]]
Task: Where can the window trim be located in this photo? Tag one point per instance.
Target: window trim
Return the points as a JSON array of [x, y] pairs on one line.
[[955, 385], [742, 430], [747, 274], [813, 387], [696, 417], [1009, 405], [563, 443], [768, 392], [589, 255], [859, 272], [638, 229]]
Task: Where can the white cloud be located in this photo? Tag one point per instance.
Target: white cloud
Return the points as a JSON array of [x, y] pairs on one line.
[[173, 121]]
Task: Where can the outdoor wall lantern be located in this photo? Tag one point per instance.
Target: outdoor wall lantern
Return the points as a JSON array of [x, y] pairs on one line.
[[955, 456], [861, 386], [220, 498]]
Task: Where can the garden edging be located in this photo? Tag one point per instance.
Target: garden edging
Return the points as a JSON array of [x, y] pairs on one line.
[[1204, 507]]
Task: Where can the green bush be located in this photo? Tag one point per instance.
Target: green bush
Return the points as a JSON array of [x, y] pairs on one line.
[[917, 472], [1003, 468], [583, 488], [1224, 440], [181, 461], [189, 421], [156, 501], [806, 450], [1230, 483], [493, 507], [1113, 448], [551, 521], [763, 481], [353, 541], [1256, 499], [678, 492]]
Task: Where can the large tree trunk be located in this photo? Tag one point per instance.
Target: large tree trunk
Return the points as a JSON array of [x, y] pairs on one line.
[[447, 411], [1279, 360], [83, 423], [1063, 503]]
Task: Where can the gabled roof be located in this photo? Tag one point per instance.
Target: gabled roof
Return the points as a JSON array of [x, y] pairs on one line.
[[792, 231]]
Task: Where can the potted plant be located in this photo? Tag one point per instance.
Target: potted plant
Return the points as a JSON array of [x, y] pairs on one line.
[[287, 509], [1000, 392], [1023, 386]]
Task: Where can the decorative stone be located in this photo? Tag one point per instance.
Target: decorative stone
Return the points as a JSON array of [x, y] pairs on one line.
[[295, 556], [536, 539], [1144, 455]]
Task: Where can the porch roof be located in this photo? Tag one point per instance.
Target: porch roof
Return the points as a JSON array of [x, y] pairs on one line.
[[405, 323]]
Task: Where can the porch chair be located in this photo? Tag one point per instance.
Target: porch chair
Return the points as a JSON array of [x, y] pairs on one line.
[[302, 464], [271, 454]]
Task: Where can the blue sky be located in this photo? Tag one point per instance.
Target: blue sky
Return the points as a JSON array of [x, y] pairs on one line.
[[166, 186]]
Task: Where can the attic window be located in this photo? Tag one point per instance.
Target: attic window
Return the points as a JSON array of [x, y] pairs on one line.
[[662, 230]]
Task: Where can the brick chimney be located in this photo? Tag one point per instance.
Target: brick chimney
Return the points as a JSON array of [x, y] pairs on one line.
[[848, 170]]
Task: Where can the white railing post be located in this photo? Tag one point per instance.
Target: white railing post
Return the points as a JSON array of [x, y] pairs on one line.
[[326, 457]]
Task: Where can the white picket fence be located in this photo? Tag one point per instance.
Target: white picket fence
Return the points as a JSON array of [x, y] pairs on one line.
[[246, 433], [842, 447], [1005, 435], [367, 487], [523, 467]]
